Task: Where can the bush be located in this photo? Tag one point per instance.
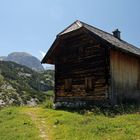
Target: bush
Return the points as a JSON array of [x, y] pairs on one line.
[[48, 103]]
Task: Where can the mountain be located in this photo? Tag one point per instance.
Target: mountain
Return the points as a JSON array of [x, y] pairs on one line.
[[25, 59], [21, 85]]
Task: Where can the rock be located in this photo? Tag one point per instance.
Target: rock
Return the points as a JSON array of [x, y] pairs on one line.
[[32, 102], [2, 103]]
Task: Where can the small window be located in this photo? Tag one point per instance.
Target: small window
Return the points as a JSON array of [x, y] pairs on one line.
[[68, 84], [89, 84]]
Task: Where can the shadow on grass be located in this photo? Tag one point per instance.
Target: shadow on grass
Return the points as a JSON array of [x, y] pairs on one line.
[[109, 111]]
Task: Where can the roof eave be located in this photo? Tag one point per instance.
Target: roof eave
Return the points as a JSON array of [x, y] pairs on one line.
[[48, 54]]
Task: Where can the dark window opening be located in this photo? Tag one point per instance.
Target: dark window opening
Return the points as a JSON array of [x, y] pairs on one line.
[[89, 84], [68, 85]]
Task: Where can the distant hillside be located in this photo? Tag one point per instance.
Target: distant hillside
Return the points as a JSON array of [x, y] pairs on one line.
[[21, 85], [25, 59]]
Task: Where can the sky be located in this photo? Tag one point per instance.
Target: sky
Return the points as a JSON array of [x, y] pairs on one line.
[[32, 25]]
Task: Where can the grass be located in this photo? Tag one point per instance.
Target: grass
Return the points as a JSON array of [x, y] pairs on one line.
[[65, 125], [16, 124]]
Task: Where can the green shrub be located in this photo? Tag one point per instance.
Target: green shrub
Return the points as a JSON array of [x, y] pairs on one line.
[[48, 103], [50, 93]]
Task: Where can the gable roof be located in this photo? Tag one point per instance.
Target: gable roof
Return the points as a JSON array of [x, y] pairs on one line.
[[118, 43]]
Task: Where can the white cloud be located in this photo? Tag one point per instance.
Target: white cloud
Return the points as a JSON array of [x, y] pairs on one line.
[[42, 53]]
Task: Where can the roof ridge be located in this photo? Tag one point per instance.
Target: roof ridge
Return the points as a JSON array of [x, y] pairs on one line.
[[110, 34], [77, 22], [97, 28]]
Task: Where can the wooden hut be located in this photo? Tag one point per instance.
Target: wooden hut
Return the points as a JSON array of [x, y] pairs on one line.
[[92, 65]]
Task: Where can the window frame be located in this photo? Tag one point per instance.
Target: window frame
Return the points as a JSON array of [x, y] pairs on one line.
[[68, 85], [89, 84]]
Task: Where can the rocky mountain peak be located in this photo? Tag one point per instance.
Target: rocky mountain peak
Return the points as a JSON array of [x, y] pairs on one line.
[[24, 59]]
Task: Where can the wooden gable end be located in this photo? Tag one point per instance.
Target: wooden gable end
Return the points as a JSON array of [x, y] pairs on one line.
[[81, 69]]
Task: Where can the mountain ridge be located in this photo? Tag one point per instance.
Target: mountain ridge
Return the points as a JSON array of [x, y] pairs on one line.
[[25, 59]]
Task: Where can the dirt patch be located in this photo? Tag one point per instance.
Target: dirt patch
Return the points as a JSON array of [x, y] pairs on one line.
[[40, 123]]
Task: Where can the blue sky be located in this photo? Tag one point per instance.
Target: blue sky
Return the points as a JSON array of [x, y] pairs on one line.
[[31, 25]]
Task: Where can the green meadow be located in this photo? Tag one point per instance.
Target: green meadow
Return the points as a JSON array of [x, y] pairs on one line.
[[39, 123]]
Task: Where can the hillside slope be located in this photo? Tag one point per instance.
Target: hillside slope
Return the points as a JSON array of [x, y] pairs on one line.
[[21, 85]]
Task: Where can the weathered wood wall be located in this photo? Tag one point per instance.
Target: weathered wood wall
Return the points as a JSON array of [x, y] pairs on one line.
[[125, 73], [81, 57]]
